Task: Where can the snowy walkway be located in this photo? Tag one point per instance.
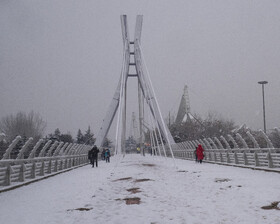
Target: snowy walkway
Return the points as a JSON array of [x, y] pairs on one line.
[[195, 193]]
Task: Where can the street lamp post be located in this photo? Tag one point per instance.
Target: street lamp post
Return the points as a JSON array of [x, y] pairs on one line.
[[264, 124]]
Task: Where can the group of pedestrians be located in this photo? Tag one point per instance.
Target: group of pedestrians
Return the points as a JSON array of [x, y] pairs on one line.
[[105, 155], [93, 155], [199, 155]]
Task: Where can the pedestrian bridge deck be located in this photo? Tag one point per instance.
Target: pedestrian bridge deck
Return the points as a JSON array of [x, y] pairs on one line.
[[189, 194]]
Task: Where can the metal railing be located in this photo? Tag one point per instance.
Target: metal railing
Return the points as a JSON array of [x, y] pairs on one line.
[[258, 158], [44, 159], [233, 150]]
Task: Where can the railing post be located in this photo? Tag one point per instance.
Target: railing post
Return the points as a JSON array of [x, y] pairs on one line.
[[70, 163], [221, 157], [22, 173], [245, 158], [66, 164], [270, 161], [33, 170], [215, 157], [55, 165], [257, 163], [228, 159], [60, 165], [9, 171], [42, 171], [50, 166], [235, 158], [209, 156]]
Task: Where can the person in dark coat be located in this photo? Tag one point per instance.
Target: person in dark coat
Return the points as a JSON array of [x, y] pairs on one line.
[[103, 154], [95, 152], [199, 153], [90, 154], [195, 154]]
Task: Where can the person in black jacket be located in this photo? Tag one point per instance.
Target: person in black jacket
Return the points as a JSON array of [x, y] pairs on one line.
[[90, 154], [95, 152]]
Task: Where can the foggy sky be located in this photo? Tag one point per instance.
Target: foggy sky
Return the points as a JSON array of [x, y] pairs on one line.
[[63, 58]]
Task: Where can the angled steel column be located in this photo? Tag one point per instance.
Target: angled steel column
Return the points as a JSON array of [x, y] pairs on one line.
[[137, 38], [106, 123], [141, 118], [111, 112]]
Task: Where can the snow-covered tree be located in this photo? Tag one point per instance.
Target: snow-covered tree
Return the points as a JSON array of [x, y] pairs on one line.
[[57, 134], [66, 137], [88, 137], [212, 126], [80, 137]]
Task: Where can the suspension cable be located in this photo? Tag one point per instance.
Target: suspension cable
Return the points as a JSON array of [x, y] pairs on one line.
[[151, 85]]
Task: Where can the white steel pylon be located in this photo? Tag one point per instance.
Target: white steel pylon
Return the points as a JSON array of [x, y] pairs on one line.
[[145, 94]]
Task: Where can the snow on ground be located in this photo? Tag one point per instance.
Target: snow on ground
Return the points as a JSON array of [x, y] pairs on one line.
[[192, 193]]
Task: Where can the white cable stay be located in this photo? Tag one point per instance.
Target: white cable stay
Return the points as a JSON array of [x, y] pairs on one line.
[[152, 88]]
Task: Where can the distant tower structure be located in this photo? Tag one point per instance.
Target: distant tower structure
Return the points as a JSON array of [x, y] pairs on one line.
[[184, 112], [134, 128]]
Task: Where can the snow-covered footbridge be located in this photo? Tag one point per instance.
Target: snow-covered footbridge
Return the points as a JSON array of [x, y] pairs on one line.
[[161, 184], [27, 164], [137, 189], [30, 163]]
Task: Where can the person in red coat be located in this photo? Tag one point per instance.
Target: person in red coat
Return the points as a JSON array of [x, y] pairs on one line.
[[199, 153]]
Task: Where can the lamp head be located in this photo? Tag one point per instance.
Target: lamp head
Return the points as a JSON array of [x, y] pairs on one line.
[[263, 82]]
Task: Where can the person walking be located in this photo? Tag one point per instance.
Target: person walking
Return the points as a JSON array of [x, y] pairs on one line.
[[195, 154], [95, 152], [90, 154], [199, 153], [103, 154], [107, 155]]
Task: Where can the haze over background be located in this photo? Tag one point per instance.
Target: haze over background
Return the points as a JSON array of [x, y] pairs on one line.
[[63, 58]]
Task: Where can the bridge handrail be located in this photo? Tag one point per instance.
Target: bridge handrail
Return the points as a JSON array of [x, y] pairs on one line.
[[237, 153], [53, 157], [246, 157]]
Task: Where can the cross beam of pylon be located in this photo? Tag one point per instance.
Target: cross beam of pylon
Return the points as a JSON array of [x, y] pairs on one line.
[[145, 93]]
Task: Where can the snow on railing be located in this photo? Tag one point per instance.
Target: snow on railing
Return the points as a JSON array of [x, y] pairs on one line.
[[45, 158], [233, 154]]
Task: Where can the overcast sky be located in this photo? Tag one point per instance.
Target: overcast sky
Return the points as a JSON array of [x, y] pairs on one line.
[[63, 58]]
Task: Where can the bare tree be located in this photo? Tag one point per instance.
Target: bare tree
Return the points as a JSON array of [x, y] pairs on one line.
[[212, 126], [28, 125]]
